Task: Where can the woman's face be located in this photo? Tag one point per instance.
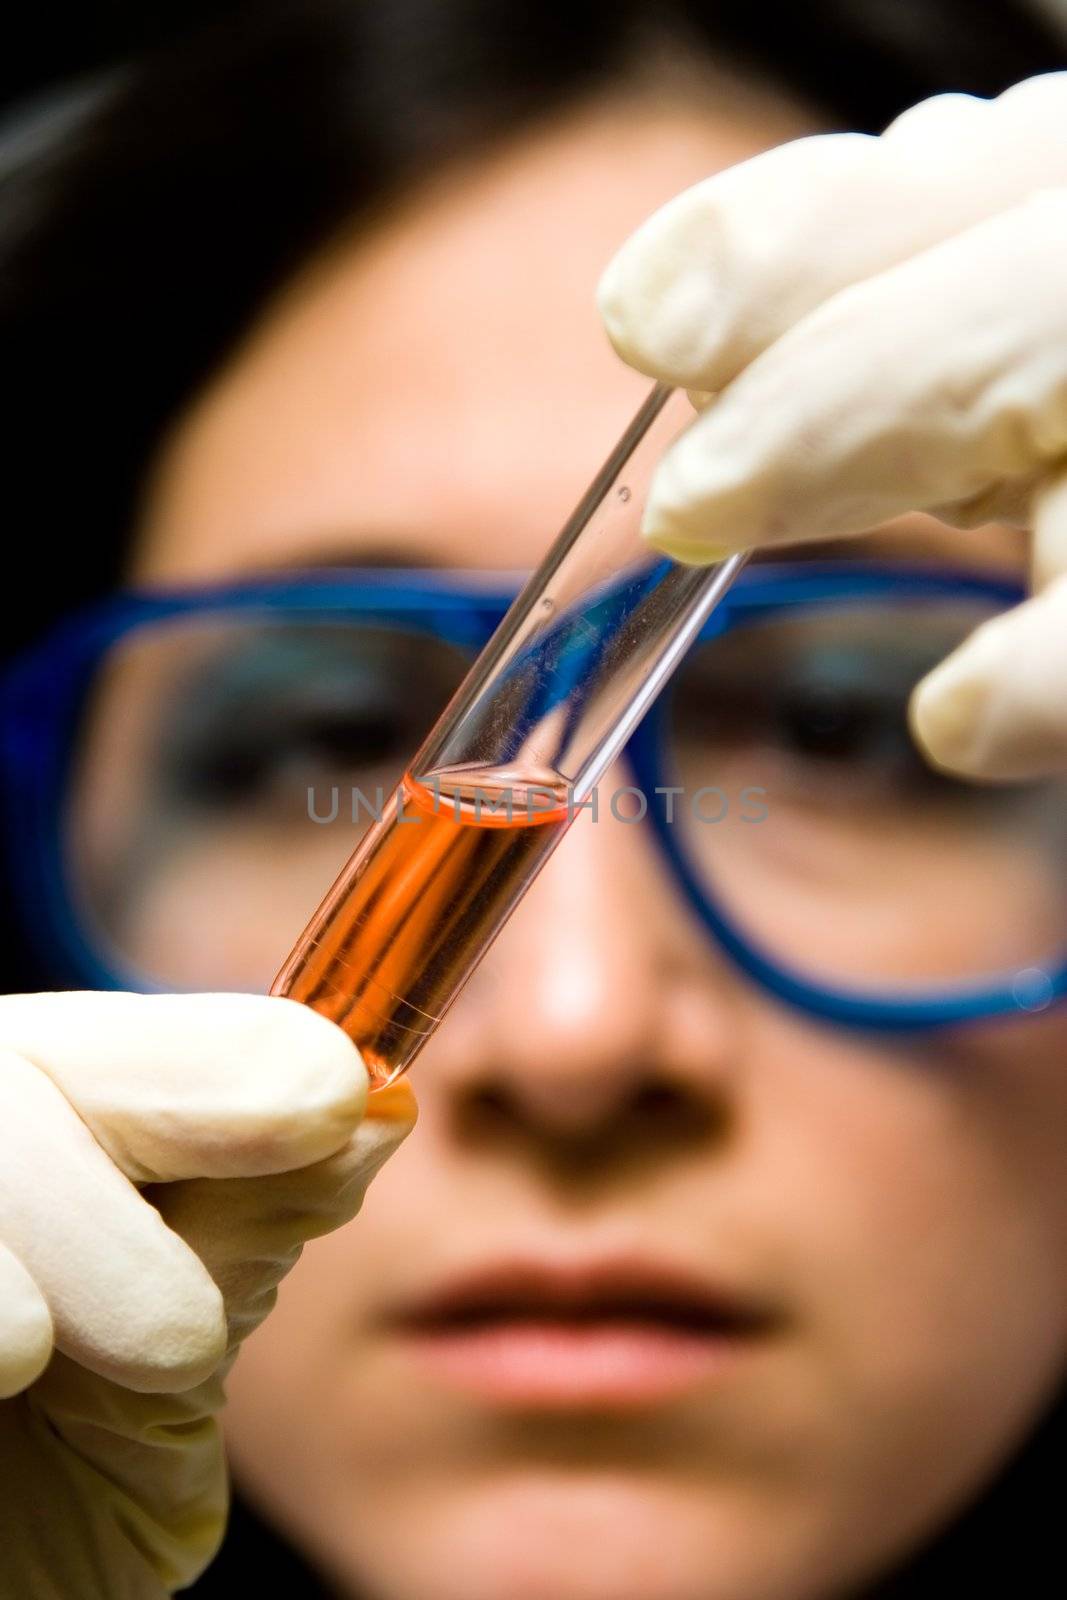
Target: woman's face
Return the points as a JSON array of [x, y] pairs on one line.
[[508, 1376]]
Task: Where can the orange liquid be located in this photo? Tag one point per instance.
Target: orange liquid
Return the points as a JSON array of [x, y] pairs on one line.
[[419, 903]]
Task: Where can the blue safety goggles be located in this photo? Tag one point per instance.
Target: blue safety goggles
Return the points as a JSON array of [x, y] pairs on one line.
[[157, 750]]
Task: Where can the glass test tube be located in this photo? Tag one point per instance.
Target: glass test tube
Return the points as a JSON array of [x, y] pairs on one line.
[[543, 712]]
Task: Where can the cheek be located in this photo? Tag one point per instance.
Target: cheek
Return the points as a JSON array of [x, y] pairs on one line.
[[928, 1212]]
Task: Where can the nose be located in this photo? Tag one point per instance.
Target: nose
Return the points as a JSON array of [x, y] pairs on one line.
[[600, 1003]]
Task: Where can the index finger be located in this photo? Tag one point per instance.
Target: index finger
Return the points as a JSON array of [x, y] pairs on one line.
[[939, 385], [723, 270]]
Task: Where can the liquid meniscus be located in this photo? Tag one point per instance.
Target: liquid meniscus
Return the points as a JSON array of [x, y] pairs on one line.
[[420, 901]]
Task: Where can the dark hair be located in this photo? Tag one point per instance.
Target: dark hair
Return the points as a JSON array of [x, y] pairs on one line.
[[195, 154], [148, 211]]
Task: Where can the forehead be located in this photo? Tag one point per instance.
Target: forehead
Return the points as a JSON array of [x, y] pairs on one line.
[[442, 382], [439, 390]]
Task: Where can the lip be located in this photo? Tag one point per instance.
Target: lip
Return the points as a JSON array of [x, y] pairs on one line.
[[609, 1334]]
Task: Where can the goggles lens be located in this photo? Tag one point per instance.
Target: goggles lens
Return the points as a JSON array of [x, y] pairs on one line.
[[226, 764], [867, 869]]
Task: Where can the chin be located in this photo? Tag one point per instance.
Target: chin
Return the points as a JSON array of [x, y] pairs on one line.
[[551, 1535]]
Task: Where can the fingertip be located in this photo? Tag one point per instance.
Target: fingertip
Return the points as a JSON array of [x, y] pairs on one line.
[[607, 295], [23, 1365], [685, 552], [333, 1067], [624, 312], [288, 1089], [947, 712], [667, 536], [667, 526], [659, 298], [26, 1333]]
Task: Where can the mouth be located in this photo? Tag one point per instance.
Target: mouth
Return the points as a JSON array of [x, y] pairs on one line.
[[607, 1335]]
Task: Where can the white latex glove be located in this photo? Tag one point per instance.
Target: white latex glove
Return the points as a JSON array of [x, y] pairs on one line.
[[883, 325], [162, 1161]]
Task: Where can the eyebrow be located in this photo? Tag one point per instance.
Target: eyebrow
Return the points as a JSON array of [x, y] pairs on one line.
[[383, 551], [390, 550], [352, 551]]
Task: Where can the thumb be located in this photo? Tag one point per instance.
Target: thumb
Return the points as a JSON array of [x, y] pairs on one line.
[[194, 1085]]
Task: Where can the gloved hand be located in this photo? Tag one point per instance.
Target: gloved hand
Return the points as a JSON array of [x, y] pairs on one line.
[[881, 325], [162, 1161]]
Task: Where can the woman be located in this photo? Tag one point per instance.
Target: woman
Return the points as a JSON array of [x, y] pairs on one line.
[[665, 1296]]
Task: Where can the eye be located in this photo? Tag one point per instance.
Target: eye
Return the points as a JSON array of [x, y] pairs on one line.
[[303, 743], [856, 726], [816, 707], [273, 713], [821, 720]]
